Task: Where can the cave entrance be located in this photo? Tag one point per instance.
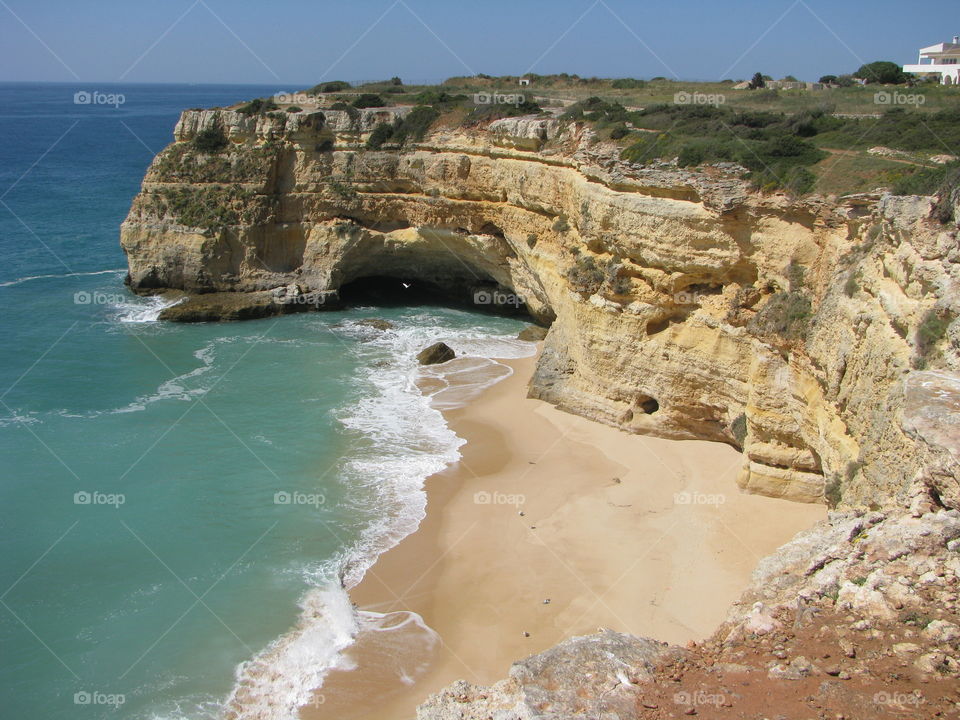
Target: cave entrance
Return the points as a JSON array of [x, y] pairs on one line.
[[390, 291]]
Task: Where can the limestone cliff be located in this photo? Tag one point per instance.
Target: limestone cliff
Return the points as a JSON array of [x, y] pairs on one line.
[[682, 304]]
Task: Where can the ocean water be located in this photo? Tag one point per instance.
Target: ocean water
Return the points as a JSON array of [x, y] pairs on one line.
[[182, 504]]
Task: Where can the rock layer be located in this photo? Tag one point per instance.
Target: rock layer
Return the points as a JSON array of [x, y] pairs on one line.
[[680, 303]]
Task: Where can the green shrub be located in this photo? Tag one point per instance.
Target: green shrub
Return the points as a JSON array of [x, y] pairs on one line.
[[774, 147], [833, 493], [882, 71], [851, 286], [586, 276], [739, 429], [329, 87], [619, 131], [348, 109], [294, 109], [380, 135], [368, 100], [210, 141], [931, 330], [628, 84], [413, 126], [923, 181], [908, 130], [944, 182], [438, 98], [211, 208], [795, 273], [488, 113], [258, 106], [785, 315]]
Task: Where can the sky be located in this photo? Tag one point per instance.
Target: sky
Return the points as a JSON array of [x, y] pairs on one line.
[[297, 43]]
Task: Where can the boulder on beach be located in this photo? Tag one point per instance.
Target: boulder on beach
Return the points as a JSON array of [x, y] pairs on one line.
[[532, 333], [435, 354]]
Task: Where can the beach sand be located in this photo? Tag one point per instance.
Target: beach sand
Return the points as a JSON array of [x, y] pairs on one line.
[[642, 535]]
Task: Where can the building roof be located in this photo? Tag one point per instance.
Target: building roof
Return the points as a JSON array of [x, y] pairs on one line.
[[941, 48]]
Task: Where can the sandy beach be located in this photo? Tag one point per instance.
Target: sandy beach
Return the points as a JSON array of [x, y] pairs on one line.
[[553, 526]]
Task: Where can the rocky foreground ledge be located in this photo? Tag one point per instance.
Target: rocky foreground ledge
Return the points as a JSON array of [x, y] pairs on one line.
[[856, 618]]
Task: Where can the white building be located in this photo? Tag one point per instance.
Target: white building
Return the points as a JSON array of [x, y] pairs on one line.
[[942, 59]]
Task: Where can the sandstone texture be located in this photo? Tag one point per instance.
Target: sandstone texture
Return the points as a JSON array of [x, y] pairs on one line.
[[680, 303], [592, 676]]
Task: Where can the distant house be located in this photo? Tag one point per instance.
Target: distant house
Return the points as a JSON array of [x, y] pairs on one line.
[[524, 81], [942, 59]]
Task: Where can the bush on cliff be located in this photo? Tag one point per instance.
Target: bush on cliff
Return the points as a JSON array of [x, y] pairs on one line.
[[483, 114], [897, 128], [436, 98], [785, 315], [210, 141], [944, 182], [258, 106], [932, 329], [381, 134], [328, 87], [414, 126], [368, 100], [210, 208], [586, 276], [774, 147]]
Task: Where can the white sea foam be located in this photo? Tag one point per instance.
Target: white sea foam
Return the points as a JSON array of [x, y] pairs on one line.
[[29, 278], [142, 310], [181, 387], [281, 678], [404, 439]]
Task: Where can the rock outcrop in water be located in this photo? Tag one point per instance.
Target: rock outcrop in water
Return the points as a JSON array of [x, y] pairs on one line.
[[817, 335]]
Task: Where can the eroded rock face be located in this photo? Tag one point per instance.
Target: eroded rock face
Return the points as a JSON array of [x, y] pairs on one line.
[[673, 297], [591, 676]]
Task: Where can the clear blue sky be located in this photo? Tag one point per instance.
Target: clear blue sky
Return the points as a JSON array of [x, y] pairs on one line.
[[298, 42]]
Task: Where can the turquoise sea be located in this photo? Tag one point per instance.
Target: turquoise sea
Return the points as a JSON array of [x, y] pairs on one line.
[[181, 502]]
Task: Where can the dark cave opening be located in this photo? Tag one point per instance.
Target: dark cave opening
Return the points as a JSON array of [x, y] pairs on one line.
[[389, 291], [648, 404]]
